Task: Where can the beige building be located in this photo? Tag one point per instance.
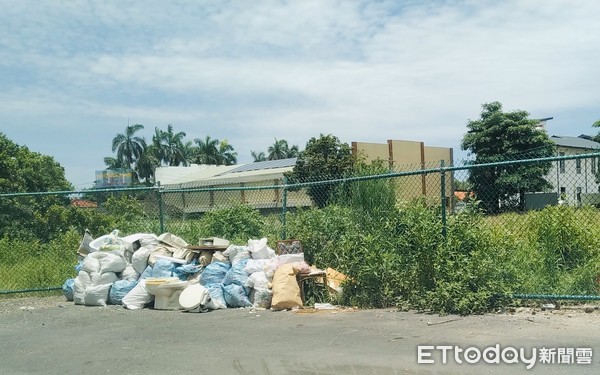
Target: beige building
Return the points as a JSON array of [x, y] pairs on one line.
[[408, 156]]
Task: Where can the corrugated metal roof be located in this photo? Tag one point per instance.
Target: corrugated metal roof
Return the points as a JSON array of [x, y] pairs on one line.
[[575, 142], [261, 165]]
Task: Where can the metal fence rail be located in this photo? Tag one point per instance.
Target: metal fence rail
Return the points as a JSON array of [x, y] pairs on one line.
[[37, 249]]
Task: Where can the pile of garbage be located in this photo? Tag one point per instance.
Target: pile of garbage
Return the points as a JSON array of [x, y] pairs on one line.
[[138, 270]]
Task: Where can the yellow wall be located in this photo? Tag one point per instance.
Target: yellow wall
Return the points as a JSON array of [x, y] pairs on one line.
[[371, 151], [411, 156]]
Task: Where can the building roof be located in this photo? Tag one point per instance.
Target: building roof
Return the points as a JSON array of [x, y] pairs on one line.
[[201, 175], [582, 141], [261, 165]]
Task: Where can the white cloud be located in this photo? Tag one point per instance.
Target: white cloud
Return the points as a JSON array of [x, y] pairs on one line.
[[254, 71]]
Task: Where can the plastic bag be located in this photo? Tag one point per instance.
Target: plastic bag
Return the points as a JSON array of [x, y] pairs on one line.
[[216, 296], [236, 254], [146, 274], [184, 272], [67, 289], [214, 273], [235, 296], [257, 280], [237, 275], [261, 297], [137, 297], [119, 290], [258, 248], [162, 268], [255, 265]]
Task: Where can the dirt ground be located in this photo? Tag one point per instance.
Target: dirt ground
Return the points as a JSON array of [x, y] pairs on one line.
[[51, 336]]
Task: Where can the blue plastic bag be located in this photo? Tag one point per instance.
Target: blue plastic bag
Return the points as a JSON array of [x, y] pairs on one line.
[[214, 273], [216, 295], [147, 273], [163, 268], [118, 290], [235, 296], [183, 272], [237, 275], [67, 289]]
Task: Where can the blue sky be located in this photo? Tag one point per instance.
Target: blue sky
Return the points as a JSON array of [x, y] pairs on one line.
[[73, 74]]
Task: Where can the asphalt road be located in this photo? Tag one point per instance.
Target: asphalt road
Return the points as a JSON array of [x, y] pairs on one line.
[[50, 336]]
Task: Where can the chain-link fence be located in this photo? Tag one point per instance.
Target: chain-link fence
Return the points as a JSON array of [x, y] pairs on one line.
[[536, 213]]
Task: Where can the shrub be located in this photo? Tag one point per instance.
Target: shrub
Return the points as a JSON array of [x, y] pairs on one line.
[[237, 224]]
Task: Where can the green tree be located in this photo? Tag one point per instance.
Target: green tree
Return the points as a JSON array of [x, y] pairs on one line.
[[280, 149], [147, 164], [596, 125], [169, 147], [21, 171], [128, 146], [226, 155], [324, 158], [498, 136], [113, 163], [173, 147], [207, 151], [258, 156]]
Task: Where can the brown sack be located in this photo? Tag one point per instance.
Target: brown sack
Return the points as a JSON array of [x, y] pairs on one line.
[[286, 292]]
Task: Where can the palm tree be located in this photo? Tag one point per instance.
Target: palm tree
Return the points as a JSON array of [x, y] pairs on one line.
[[113, 163], [281, 150], [293, 152], [188, 151], [128, 146], [207, 151], [173, 143], [147, 164], [227, 156], [278, 150], [168, 146], [258, 156]]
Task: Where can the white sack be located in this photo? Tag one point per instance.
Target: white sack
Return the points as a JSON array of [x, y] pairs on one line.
[[255, 265], [109, 262], [103, 278], [130, 274], [257, 280], [90, 264], [139, 259], [236, 254], [290, 258], [97, 295], [82, 281], [137, 297], [258, 248]]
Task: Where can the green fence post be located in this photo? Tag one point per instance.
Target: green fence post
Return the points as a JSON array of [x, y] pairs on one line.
[[443, 196], [160, 209], [283, 207]]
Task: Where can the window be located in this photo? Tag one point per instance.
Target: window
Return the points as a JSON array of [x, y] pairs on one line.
[[578, 166], [593, 162], [561, 163], [578, 194]]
